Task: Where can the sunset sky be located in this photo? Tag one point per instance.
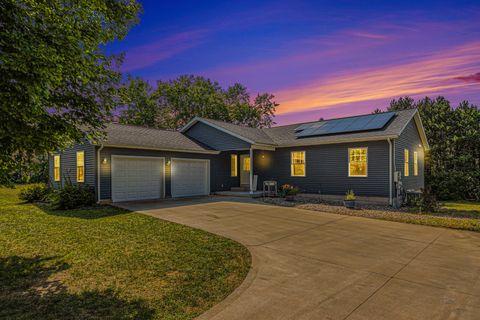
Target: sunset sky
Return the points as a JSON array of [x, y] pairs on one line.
[[319, 59]]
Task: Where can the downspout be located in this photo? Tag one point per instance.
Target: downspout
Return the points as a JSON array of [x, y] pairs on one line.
[[98, 172], [390, 173], [251, 170]]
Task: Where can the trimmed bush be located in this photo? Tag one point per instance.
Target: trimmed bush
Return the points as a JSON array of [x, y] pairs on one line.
[[34, 192], [427, 202], [72, 196]]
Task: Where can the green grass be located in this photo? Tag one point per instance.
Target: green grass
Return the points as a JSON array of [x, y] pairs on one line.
[[108, 263], [462, 206]]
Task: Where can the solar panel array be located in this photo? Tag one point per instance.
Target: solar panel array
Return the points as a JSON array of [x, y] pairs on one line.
[[345, 125]]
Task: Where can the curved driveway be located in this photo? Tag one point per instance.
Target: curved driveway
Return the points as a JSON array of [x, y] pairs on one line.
[[311, 265]]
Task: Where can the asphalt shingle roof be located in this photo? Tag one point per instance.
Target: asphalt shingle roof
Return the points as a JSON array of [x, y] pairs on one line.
[[133, 136], [127, 136], [285, 135]]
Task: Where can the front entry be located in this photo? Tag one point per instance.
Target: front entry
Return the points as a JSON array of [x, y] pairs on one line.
[[245, 170]]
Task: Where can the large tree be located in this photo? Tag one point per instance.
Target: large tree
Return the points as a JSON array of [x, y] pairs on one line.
[[57, 85], [175, 102], [454, 138]]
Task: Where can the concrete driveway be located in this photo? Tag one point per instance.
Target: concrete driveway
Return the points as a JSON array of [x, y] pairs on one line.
[[311, 265]]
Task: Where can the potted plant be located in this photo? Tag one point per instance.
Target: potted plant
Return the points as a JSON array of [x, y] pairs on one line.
[[289, 192], [349, 201]]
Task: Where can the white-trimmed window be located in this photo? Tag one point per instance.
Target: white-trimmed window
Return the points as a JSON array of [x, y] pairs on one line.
[[233, 165], [80, 166], [357, 162], [56, 167], [298, 164], [415, 163], [406, 165]]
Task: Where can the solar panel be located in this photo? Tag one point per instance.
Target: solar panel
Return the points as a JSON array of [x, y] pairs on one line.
[[352, 124], [302, 127]]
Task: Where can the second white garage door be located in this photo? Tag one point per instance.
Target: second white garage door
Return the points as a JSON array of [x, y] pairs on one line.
[[190, 177]]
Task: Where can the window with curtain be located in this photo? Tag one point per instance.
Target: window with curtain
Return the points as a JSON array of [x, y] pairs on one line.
[[357, 162], [298, 163], [80, 166], [233, 165], [415, 163], [56, 168], [406, 171]]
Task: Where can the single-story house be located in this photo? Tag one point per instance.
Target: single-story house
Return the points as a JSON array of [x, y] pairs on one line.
[[368, 154]]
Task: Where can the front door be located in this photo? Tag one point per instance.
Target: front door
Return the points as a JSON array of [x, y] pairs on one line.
[[244, 170]]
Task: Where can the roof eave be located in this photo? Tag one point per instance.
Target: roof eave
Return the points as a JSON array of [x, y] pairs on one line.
[[337, 141], [161, 149]]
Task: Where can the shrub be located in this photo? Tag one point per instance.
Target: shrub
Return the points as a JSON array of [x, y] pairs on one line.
[[34, 192], [427, 202], [350, 196], [289, 190], [72, 196]]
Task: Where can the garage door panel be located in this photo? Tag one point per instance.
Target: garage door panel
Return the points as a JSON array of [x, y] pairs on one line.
[[190, 177], [137, 178]]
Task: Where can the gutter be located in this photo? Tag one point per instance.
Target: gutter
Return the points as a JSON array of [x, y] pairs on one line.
[[98, 172]]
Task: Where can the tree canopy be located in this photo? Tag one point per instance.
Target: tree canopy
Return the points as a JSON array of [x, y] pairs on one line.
[[57, 84], [175, 102], [453, 170]]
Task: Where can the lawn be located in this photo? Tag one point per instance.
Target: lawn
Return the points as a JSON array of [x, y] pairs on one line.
[[106, 262], [462, 206]]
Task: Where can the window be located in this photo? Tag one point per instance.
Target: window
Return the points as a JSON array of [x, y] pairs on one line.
[[233, 165], [415, 163], [406, 173], [246, 164], [80, 166], [298, 163], [56, 168], [357, 162]]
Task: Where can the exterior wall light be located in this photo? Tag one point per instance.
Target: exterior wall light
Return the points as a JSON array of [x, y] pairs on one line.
[[105, 160], [168, 162]]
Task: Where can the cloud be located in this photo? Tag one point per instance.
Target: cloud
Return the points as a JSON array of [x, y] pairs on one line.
[[435, 73], [162, 49], [470, 78]]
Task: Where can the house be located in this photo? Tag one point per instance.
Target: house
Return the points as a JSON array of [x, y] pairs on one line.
[[368, 154]]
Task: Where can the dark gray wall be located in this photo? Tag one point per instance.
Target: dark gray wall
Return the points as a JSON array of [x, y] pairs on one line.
[[410, 139], [68, 165], [220, 178], [327, 169], [215, 139]]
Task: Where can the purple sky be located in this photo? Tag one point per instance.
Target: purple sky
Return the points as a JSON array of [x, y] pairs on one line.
[[320, 59]]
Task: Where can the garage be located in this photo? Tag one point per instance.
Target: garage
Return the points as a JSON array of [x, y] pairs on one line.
[[190, 177], [137, 178]]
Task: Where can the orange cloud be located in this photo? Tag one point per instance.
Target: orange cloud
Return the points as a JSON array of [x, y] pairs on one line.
[[433, 74]]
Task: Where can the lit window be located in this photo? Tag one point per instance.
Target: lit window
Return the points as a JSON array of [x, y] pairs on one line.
[[298, 163], [406, 164], [80, 166], [233, 165], [415, 163], [357, 162], [246, 164], [56, 168]]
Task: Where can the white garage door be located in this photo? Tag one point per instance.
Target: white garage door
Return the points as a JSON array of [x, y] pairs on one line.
[[190, 177], [137, 178]]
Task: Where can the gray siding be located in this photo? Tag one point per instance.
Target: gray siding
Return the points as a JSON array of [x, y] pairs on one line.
[[68, 165], [410, 139], [215, 139], [220, 178], [327, 169]]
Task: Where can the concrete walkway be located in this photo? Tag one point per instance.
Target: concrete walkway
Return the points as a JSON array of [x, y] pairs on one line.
[[311, 265]]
